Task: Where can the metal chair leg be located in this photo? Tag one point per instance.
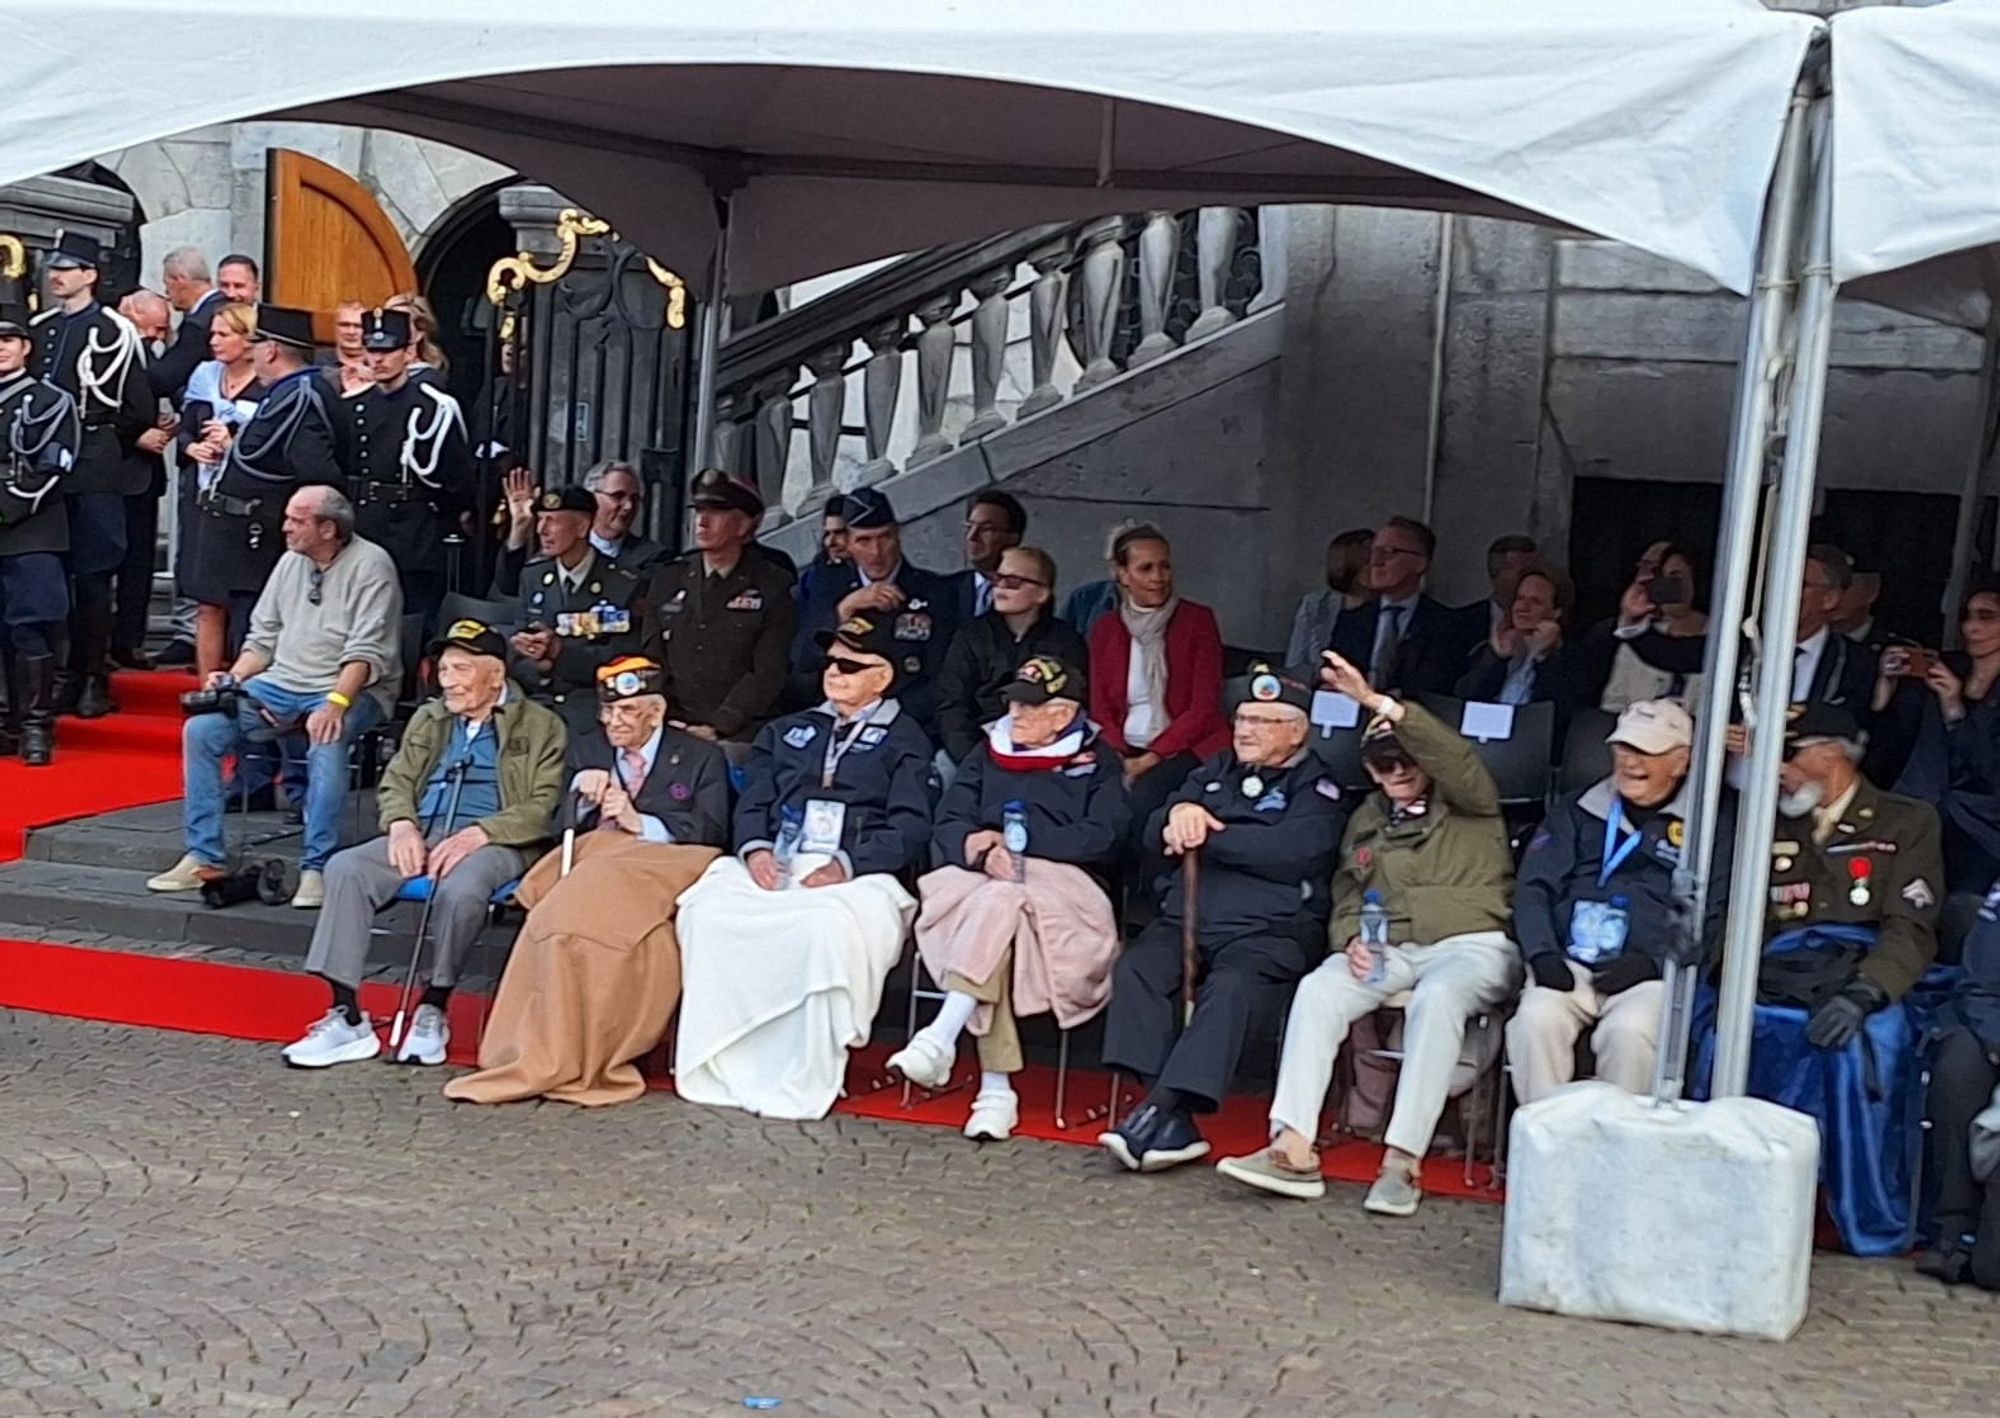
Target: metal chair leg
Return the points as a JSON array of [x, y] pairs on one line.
[[1062, 1080]]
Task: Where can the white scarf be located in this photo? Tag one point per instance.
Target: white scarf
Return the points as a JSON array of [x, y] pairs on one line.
[[1148, 629]]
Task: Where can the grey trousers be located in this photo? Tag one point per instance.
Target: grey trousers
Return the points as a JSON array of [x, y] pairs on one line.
[[360, 882]]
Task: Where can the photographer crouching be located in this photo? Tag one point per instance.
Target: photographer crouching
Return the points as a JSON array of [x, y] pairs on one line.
[[323, 658]]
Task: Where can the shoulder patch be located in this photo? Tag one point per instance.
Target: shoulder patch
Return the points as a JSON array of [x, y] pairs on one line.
[[1327, 788], [1919, 894]]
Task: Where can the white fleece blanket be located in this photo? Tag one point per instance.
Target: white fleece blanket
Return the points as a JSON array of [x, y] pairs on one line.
[[777, 986]]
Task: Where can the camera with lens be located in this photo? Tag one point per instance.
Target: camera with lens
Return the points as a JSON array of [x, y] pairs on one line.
[[222, 699]]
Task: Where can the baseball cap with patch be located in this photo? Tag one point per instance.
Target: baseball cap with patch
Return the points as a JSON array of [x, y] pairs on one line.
[[1653, 726], [629, 677], [1042, 678], [474, 636], [1379, 739], [864, 634]]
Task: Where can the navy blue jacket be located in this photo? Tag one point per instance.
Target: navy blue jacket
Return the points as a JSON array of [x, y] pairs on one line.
[[1077, 814], [924, 630], [1976, 1002], [887, 781], [1563, 860], [1269, 871]]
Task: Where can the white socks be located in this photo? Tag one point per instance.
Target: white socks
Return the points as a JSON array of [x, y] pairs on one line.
[[952, 1018], [991, 1082]]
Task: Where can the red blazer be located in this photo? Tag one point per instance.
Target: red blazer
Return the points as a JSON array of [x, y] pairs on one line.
[[1194, 683]]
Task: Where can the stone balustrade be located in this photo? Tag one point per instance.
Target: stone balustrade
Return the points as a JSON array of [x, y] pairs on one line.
[[941, 349]]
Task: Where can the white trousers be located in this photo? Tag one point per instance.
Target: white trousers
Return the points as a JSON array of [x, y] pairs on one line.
[[1451, 981], [1541, 1037]]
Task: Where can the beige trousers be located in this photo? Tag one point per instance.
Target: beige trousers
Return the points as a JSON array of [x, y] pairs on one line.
[[1542, 1035], [1000, 1045]]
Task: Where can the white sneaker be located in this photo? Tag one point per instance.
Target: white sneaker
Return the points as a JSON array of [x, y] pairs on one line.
[[994, 1116], [924, 1060], [428, 1036], [311, 894], [332, 1040], [187, 874]]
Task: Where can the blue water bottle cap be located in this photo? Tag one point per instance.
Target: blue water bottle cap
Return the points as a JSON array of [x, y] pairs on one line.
[[1621, 902], [1373, 898]]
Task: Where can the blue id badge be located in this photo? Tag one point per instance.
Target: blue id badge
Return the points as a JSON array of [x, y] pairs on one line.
[[1596, 932], [824, 822]]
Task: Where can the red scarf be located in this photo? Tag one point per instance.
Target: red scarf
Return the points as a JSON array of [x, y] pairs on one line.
[[1071, 746]]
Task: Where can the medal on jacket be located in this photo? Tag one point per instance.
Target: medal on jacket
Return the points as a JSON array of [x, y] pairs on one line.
[[1857, 873], [1253, 786]]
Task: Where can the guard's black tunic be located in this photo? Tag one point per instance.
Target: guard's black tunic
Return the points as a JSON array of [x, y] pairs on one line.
[[287, 444]]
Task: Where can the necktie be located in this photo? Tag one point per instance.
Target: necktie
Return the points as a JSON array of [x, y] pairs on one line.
[[635, 771], [1383, 670]]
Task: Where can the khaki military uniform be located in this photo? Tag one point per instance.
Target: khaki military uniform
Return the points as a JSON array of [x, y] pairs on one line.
[[1881, 865], [722, 640]]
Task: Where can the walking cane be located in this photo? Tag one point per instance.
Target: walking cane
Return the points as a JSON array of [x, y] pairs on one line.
[[424, 919], [569, 835], [1190, 932]]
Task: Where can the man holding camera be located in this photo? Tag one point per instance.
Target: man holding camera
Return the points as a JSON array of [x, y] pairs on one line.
[[324, 655]]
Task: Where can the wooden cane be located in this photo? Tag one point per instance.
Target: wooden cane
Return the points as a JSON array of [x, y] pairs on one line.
[[1190, 930]]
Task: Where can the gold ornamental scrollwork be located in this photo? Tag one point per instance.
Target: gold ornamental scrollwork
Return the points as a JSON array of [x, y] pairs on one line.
[[513, 274], [13, 257]]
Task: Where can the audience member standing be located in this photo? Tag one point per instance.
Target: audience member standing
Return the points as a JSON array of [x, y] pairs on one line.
[[184, 276], [239, 279], [99, 360], [222, 397], [1155, 677], [349, 374], [152, 317]]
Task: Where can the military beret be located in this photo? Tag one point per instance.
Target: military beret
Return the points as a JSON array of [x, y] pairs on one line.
[[629, 677], [1265, 685]]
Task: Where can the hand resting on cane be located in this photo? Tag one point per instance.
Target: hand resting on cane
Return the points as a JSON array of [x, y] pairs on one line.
[[1188, 826]]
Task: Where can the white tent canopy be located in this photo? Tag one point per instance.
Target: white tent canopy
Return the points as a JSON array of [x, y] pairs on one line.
[[844, 131]]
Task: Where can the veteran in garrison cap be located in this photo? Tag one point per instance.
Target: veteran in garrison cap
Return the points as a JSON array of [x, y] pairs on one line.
[[720, 620], [579, 610]]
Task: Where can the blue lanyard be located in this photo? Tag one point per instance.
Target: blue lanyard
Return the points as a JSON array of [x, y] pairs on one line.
[[1616, 850]]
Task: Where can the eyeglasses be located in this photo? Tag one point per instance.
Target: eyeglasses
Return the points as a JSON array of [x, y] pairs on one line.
[[1008, 581], [1382, 553], [842, 665], [1258, 721]]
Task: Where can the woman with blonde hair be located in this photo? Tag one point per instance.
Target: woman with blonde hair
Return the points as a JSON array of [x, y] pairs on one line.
[[428, 364], [222, 394]]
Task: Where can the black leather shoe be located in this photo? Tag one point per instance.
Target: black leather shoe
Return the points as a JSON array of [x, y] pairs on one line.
[[1948, 1261], [178, 655], [93, 700]]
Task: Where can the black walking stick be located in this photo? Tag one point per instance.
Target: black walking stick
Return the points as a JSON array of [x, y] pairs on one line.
[[424, 917], [1190, 929]]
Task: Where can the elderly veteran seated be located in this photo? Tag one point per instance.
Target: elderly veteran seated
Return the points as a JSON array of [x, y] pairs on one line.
[[596, 974], [1430, 847], [1851, 926], [1266, 820], [1016, 923], [785, 946], [1595, 912], [466, 801]]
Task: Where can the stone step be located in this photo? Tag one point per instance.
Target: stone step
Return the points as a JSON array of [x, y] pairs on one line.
[[148, 839]]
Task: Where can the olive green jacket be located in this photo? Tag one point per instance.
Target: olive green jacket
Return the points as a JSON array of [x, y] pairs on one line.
[[1445, 872], [532, 743]]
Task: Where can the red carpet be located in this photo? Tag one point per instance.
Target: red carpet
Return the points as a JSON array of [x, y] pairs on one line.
[[128, 759], [238, 1002]]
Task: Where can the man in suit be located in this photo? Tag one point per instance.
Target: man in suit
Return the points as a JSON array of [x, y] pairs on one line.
[[619, 496], [185, 279], [633, 772], [995, 521], [921, 606], [579, 610], [1505, 556], [1410, 643]]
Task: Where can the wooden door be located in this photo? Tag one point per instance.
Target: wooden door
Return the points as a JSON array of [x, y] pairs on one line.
[[327, 240]]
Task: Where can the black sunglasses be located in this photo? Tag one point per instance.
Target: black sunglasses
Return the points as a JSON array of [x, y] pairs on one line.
[[1390, 762], [849, 667], [316, 587]]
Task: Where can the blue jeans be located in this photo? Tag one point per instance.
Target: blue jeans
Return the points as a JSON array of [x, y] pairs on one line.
[[208, 738]]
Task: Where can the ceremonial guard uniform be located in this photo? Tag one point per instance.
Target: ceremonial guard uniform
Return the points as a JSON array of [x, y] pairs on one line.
[[594, 622], [722, 638], [409, 467], [1260, 920], [98, 358], [287, 444], [39, 434]]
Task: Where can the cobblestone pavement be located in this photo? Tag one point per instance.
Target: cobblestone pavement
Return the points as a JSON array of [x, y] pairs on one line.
[[188, 1228]]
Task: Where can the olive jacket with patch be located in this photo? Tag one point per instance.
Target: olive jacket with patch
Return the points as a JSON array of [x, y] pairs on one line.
[[532, 745]]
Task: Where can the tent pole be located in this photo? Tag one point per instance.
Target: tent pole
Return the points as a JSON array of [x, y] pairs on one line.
[[1975, 477], [708, 338], [1735, 558], [1751, 878]]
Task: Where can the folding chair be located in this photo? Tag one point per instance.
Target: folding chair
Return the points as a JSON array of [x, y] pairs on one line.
[[1586, 756], [417, 890], [1482, 1054]]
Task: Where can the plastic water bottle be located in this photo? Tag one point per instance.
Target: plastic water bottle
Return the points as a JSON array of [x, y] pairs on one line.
[[1014, 833], [1375, 935], [1617, 924], [791, 827]]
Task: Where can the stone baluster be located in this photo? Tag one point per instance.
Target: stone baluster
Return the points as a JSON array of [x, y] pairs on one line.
[[727, 452], [1045, 326], [1159, 245], [1103, 270], [1272, 225], [771, 441], [1215, 251], [989, 352], [825, 406], [934, 348], [881, 389]]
